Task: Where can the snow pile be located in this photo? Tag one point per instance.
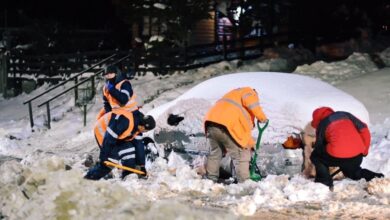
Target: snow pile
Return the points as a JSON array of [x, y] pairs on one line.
[[60, 192], [46, 190], [379, 155], [357, 64], [274, 64], [380, 187], [279, 59], [288, 100]]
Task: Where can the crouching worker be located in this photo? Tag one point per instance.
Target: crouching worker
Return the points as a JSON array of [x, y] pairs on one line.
[[228, 126], [342, 141], [114, 133]]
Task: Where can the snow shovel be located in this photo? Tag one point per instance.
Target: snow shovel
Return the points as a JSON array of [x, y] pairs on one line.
[[253, 175], [111, 164]]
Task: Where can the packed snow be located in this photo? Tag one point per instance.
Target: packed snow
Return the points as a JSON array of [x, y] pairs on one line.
[[41, 171], [288, 100]]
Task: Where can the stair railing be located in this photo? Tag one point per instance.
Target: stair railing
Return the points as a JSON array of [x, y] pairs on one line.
[[29, 101], [91, 78]]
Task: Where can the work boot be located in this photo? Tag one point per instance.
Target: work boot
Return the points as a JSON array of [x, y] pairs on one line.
[[326, 181], [97, 172], [369, 175]]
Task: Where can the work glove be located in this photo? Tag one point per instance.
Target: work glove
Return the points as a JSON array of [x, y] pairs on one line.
[[109, 85]]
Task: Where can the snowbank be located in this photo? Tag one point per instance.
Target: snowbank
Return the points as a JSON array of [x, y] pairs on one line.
[[356, 65], [288, 100]]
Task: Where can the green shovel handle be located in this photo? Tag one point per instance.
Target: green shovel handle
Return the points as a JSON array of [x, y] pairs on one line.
[[253, 175], [261, 130]]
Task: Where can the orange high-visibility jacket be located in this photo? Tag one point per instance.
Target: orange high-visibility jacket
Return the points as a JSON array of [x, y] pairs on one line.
[[131, 105], [101, 126], [236, 111]]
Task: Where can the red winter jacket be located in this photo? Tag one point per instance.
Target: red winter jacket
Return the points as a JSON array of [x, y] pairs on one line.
[[341, 134]]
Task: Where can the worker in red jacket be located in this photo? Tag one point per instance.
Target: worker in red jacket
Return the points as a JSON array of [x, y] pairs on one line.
[[341, 141]]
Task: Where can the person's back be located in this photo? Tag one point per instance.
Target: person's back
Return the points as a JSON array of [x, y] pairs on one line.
[[341, 141], [236, 111], [228, 126], [341, 133], [344, 140]]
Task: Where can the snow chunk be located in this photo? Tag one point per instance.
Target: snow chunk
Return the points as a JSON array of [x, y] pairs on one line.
[[379, 187], [301, 189]]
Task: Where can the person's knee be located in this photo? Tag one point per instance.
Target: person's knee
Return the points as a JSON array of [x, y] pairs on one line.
[[245, 155], [129, 163]]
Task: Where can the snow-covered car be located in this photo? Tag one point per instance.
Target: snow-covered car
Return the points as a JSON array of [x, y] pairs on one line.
[[288, 100]]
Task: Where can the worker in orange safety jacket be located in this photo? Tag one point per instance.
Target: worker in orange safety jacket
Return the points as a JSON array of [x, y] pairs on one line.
[[114, 133], [228, 126], [118, 94]]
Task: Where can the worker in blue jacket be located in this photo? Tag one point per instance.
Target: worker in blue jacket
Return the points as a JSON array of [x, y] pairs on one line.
[[118, 94], [114, 133]]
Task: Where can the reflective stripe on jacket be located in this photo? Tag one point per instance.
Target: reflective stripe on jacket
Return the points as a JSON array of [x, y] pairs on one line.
[[101, 126], [236, 111], [131, 105]]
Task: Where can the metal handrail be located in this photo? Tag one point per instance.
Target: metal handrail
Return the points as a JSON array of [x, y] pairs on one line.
[[70, 88], [71, 78], [60, 84], [75, 86]]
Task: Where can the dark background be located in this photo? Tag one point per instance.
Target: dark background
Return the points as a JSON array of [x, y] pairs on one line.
[[325, 21], [89, 14]]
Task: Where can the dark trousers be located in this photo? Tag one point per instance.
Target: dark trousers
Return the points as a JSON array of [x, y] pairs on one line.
[[123, 152], [139, 144], [349, 166], [139, 151]]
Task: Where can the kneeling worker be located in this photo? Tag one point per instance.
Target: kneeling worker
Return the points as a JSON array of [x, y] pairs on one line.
[[342, 140], [114, 133]]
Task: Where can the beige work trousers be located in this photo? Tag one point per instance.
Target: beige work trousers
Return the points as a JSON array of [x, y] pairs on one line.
[[221, 141]]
